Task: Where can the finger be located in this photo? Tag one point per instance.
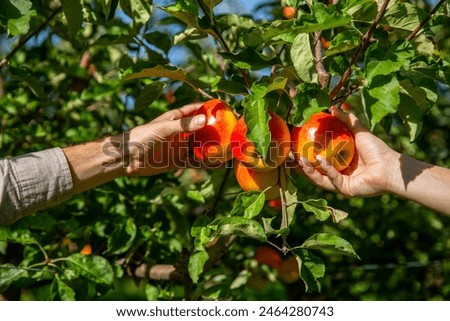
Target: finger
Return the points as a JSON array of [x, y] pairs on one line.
[[179, 113], [348, 119], [307, 170], [332, 173], [165, 129]]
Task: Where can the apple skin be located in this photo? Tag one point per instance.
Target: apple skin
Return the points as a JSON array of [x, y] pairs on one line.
[[269, 256], [211, 144], [288, 272], [251, 180], [324, 134], [289, 12], [245, 151]]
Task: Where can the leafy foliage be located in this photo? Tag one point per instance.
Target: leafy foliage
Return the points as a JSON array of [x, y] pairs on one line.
[[102, 67]]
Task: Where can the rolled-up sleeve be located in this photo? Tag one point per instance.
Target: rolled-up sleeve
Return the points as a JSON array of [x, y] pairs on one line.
[[33, 182]]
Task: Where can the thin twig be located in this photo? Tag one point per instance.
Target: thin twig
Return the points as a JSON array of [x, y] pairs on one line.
[[365, 40], [322, 73], [25, 39], [425, 21], [224, 44]]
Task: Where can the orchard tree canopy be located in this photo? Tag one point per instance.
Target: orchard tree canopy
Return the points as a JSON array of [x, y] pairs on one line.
[[72, 71]]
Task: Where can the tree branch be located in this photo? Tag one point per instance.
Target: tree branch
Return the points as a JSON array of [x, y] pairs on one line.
[[30, 35], [365, 41], [324, 76], [425, 21]]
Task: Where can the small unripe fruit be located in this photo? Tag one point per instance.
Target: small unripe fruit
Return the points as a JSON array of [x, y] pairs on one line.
[[245, 151], [211, 144], [289, 12], [324, 134]]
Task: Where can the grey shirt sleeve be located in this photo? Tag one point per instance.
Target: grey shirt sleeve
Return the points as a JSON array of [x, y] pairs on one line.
[[33, 182]]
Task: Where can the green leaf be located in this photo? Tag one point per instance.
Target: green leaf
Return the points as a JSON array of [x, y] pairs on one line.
[[267, 223], [323, 17], [196, 196], [403, 15], [9, 274], [148, 95], [196, 264], [185, 11], [310, 99], [240, 226], [159, 72], [343, 41], [318, 207], [257, 119], [138, 10], [122, 237], [250, 59], [109, 8], [15, 15], [73, 11], [92, 267], [62, 289], [248, 204], [381, 98], [311, 269], [151, 292], [384, 61], [201, 232], [17, 235], [329, 242], [337, 215], [303, 58], [290, 198]]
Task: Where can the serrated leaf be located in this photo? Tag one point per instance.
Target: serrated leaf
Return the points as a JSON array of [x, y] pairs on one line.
[[9, 273], [329, 242], [248, 204], [318, 207], [92, 267], [240, 226], [267, 224], [196, 264], [73, 11], [303, 58], [311, 269], [381, 98], [17, 235]]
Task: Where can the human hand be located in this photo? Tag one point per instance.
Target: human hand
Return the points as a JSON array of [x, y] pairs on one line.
[[369, 172], [161, 145]]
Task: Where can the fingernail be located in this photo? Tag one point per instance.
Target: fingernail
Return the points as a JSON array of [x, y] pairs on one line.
[[321, 160], [305, 161], [200, 120]]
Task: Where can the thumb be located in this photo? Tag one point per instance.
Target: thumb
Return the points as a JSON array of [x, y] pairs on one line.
[[187, 124]]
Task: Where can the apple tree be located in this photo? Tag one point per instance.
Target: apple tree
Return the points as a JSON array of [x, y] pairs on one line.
[[73, 71]]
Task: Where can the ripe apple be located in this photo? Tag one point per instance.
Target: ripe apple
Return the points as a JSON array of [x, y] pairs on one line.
[[269, 256], [251, 180], [211, 144], [324, 134], [288, 272], [289, 12], [325, 43], [279, 148]]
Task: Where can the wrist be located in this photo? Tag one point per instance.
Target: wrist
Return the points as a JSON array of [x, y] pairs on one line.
[[392, 179]]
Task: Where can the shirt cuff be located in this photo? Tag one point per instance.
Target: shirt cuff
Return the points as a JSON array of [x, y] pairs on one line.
[[43, 180]]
